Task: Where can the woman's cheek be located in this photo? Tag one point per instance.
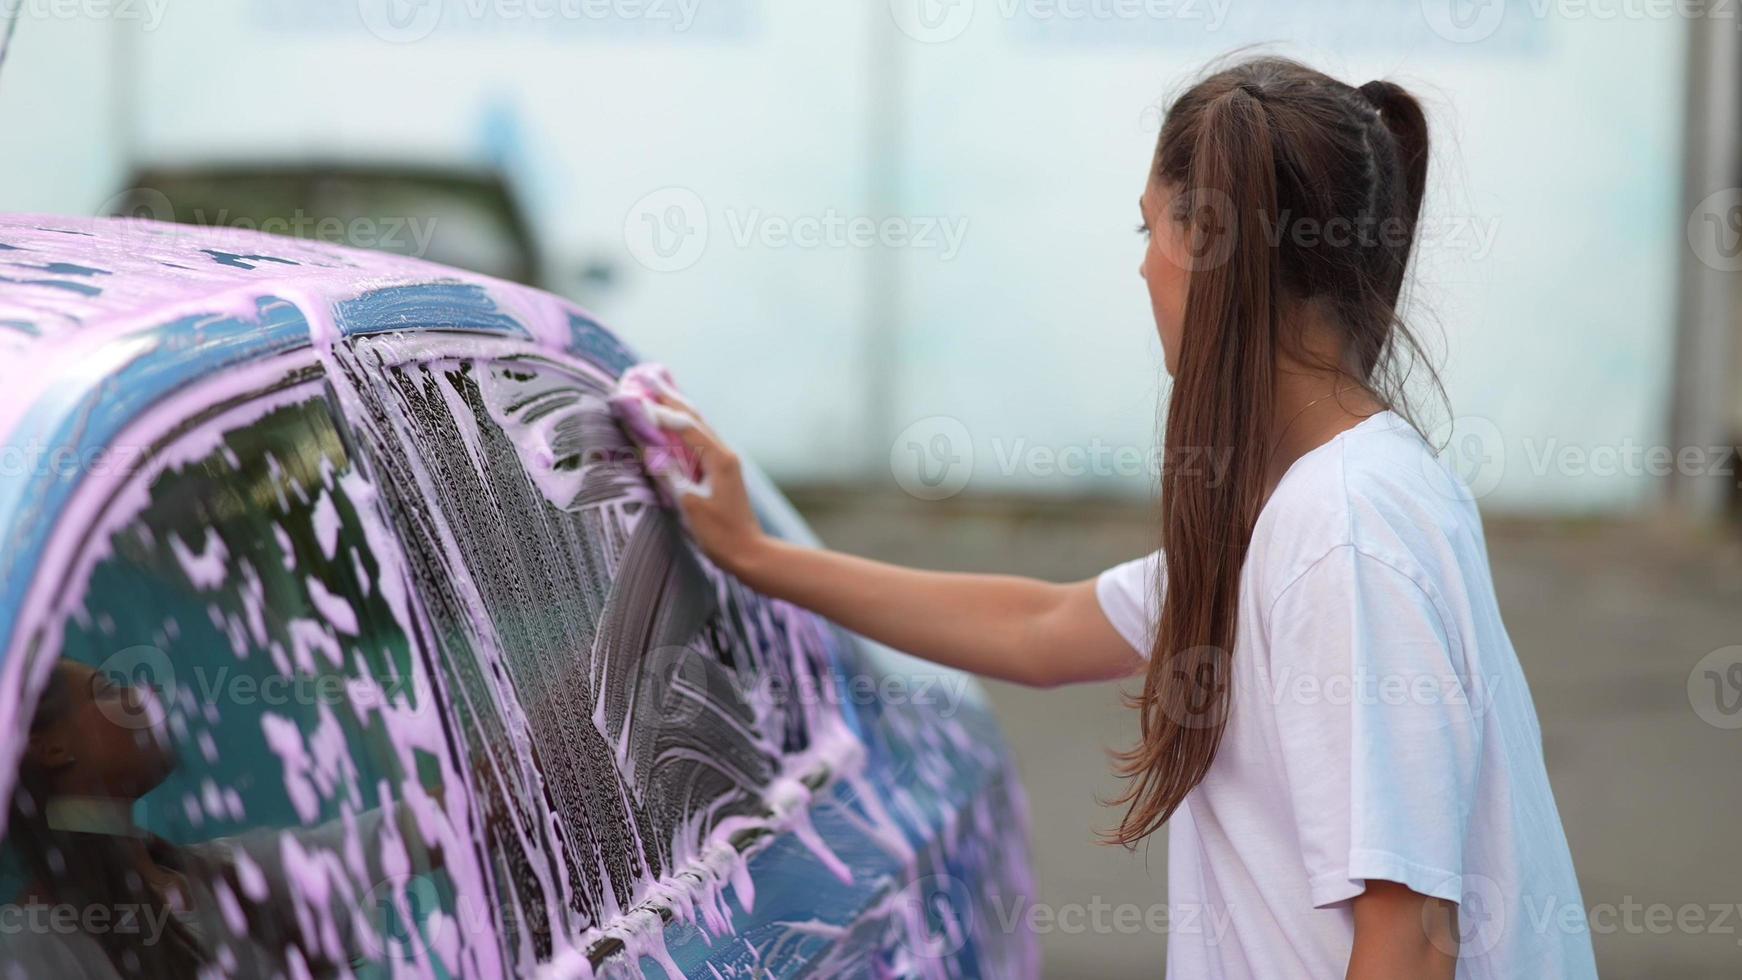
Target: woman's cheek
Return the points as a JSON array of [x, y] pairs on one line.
[[1167, 286]]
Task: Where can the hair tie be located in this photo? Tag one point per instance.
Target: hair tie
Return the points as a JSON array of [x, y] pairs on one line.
[[1375, 93]]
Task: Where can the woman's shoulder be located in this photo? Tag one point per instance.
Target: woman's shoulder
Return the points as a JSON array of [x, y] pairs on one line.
[[1377, 488]]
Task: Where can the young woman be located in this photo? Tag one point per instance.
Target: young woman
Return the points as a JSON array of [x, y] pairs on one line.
[[1333, 719]]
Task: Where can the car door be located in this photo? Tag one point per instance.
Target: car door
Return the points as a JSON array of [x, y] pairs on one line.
[[236, 687], [629, 704]]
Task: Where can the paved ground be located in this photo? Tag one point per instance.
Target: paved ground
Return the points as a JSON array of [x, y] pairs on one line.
[[1609, 620]]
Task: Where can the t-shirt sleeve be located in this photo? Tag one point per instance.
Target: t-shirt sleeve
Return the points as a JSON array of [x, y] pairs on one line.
[[1376, 732], [1130, 597]]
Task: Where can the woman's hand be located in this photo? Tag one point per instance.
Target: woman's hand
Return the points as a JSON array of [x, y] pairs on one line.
[[721, 520]]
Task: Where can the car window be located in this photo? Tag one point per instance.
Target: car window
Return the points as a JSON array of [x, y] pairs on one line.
[[236, 765], [651, 697]]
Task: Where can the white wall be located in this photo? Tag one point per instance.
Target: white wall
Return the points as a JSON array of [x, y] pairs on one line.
[[1548, 269], [754, 109], [59, 149], [1549, 272]]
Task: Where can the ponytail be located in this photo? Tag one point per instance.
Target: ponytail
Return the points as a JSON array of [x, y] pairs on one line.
[[1221, 401], [1404, 120]]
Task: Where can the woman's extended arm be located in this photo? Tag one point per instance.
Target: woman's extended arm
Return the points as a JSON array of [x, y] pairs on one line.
[[1016, 629]]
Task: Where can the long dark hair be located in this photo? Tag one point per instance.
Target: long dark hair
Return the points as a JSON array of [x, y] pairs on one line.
[[1291, 187]]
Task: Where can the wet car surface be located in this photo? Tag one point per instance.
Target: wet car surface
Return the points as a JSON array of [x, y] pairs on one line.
[[345, 636]]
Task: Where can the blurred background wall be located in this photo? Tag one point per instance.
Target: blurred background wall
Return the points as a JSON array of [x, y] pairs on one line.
[[910, 211], [888, 246]]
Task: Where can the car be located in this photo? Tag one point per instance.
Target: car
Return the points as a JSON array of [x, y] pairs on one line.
[[346, 635]]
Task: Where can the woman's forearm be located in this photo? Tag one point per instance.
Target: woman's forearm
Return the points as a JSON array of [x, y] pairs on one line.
[[1015, 629], [1001, 626]]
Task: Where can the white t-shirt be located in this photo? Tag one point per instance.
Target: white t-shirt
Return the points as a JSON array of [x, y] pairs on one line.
[[1380, 728]]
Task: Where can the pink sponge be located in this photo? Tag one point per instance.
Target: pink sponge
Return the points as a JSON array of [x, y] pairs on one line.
[[675, 469]]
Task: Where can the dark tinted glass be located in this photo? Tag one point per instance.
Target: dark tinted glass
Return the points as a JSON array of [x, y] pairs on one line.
[[229, 770]]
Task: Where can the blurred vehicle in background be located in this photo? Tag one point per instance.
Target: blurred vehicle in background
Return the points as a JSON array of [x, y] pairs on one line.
[[344, 635], [453, 216]]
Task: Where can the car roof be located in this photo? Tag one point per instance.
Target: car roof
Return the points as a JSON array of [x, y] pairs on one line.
[[91, 292], [61, 277], [100, 318]]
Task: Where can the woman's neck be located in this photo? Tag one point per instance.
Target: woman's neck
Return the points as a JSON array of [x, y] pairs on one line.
[[1318, 391], [1311, 408]]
